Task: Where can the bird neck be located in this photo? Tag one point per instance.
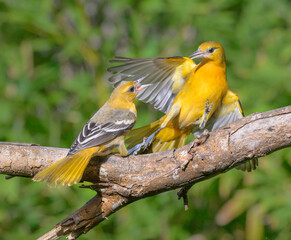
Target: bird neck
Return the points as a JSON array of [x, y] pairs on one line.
[[210, 65]]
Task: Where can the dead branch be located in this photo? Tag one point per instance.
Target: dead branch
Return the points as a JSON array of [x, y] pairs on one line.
[[119, 181]]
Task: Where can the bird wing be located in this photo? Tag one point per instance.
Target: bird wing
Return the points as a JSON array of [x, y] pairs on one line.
[[166, 76], [225, 115], [94, 134], [228, 112]]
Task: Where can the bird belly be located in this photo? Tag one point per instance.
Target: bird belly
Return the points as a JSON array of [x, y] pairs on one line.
[[196, 98]]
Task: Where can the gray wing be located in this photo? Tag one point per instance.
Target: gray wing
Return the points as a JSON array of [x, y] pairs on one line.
[[164, 75], [223, 116], [94, 134], [224, 119]]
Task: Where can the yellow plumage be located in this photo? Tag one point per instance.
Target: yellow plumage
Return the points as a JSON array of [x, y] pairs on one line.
[[103, 134], [205, 83], [193, 88], [67, 171]]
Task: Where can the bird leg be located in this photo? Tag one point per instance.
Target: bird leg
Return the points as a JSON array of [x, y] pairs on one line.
[[147, 141], [206, 113], [173, 112]]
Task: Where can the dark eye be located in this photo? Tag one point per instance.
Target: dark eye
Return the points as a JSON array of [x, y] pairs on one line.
[[131, 89], [211, 50]]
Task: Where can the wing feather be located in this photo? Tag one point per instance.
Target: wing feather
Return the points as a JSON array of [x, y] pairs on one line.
[[94, 134], [226, 116], [161, 73]]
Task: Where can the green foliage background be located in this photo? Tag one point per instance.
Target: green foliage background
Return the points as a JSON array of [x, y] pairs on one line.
[[53, 61]]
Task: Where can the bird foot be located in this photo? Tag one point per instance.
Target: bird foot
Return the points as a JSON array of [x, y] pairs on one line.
[[141, 147]]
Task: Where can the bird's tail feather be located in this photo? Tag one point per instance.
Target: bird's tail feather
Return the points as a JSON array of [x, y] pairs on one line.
[[175, 143], [249, 165], [67, 171]]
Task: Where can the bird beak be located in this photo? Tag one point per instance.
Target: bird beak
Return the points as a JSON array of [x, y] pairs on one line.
[[139, 87], [197, 54]]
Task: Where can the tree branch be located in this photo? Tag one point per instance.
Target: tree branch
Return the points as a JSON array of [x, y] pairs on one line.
[[119, 181]]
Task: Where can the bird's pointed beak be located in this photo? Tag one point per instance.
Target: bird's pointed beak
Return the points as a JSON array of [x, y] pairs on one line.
[[197, 54], [140, 87]]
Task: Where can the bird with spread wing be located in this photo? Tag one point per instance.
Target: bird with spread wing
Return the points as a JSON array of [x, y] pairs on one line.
[[193, 97], [103, 134]]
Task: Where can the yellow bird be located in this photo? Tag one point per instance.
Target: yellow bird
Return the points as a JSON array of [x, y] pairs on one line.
[[102, 134], [193, 97]]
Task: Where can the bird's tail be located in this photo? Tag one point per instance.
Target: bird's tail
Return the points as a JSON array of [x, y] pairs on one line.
[[249, 165], [137, 135], [67, 171], [159, 146]]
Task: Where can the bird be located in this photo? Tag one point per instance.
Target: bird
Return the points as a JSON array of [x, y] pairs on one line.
[[192, 96], [102, 134]]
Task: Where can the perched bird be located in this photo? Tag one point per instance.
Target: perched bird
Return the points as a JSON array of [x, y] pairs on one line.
[[102, 134], [193, 97]]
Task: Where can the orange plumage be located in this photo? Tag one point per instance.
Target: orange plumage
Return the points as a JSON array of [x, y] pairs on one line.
[[192, 96]]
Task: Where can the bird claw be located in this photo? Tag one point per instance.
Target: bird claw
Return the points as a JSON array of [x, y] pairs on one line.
[[137, 148], [141, 147], [200, 138], [134, 151]]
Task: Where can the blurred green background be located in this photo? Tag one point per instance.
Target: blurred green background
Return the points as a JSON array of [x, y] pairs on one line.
[[53, 61]]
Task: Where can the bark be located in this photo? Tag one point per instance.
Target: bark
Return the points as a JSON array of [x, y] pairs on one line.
[[119, 181]]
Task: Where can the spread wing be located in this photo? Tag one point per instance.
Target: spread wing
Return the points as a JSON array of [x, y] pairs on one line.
[[166, 76], [94, 134]]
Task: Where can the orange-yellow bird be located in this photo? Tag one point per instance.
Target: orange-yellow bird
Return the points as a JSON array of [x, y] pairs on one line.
[[192, 96], [103, 133]]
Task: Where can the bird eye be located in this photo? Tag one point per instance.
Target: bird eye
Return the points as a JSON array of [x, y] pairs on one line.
[[131, 89], [211, 50]]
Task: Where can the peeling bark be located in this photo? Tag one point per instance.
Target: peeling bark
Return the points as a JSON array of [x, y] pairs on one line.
[[119, 181]]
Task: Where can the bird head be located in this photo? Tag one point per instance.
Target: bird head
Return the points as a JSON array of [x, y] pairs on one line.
[[210, 51], [129, 89]]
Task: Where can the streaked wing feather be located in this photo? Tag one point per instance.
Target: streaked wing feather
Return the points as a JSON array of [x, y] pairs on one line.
[[166, 102], [146, 96], [94, 134], [156, 71]]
